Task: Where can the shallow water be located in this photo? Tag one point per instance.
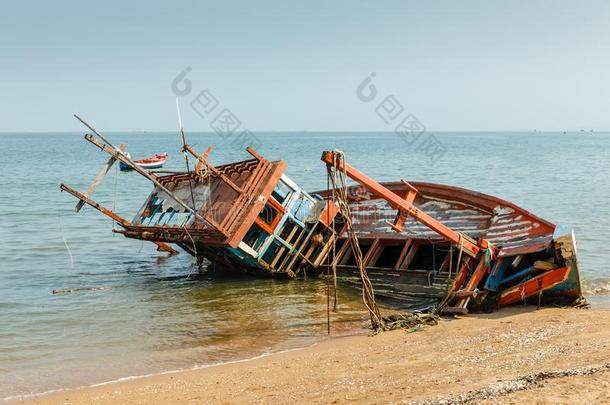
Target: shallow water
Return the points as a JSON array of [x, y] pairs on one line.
[[162, 314]]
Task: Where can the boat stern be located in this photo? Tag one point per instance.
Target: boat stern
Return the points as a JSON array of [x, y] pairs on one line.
[[564, 243]]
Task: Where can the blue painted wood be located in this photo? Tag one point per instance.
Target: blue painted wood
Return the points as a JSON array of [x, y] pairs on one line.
[[496, 274], [518, 275]]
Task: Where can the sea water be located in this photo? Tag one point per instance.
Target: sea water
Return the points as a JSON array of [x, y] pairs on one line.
[[155, 313]]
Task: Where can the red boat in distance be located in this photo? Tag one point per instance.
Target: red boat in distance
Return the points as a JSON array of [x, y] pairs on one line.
[[152, 162]]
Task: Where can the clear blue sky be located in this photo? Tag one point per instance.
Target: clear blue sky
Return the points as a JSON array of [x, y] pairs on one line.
[[295, 65]]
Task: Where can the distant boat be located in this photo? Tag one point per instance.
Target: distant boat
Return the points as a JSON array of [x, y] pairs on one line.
[[152, 162]]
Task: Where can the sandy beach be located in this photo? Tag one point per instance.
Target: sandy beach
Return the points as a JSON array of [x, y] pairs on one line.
[[516, 355]]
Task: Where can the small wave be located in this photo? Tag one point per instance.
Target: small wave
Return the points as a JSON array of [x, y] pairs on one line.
[[137, 377], [596, 287]]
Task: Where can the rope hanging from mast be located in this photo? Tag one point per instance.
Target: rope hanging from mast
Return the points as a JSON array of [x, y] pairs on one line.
[[188, 170], [340, 197]]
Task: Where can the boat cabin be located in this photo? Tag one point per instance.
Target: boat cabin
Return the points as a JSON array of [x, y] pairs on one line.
[[248, 215]]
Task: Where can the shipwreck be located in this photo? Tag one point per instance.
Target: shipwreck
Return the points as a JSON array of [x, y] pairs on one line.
[[444, 248]]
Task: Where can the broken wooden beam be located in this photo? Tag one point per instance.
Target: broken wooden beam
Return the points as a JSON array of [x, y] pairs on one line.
[[473, 282], [402, 215], [535, 285], [150, 176], [117, 218], [254, 153], [77, 289], [455, 311], [213, 169], [204, 158], [86, 200], [98, 179], [336, 160]]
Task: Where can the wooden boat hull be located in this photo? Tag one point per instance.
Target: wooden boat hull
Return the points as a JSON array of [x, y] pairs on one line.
[[527, 248]]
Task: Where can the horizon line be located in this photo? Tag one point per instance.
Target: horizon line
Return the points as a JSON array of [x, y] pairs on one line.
[[142, 131]]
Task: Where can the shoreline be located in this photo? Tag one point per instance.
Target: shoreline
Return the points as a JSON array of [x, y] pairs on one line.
[[390, 367], [31, 397]]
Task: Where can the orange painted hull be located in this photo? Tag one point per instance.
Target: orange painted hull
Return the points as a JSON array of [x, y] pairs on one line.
[[535, 285]]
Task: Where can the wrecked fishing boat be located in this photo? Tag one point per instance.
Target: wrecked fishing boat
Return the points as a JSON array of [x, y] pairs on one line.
[[431, 243], [242, 216], [444, 247]]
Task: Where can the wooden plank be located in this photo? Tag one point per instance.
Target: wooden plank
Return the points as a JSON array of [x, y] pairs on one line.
[[376, 255], [327, 216], [262, 189], [445, 263], [277, 256], [472, 248], [213, 169], [98, 179], [301, 242], [403, 253], [342, 251], [524, 249], [460, 277], [293, 252], [497, 273], [85, 199], [244, 198], [410, 255], [118, 155], [474, 281], [204, 158], [402, 216], [535, 285], [120, 220], [521, 274], [516, 261], [544, 265], [325, 250], [373, 250], [254, 153]]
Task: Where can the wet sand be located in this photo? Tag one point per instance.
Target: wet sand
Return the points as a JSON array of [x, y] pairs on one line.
[[496, 357]]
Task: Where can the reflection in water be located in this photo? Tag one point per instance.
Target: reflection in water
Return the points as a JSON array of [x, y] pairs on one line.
[[167, 315], [224, 316]]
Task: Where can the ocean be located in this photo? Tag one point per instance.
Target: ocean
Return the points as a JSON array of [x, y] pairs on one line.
[[155, 314]]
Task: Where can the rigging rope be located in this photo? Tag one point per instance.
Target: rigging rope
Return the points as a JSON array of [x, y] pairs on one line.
[[334, 246], [327, 271], [61, 230], [378, 323], [116, 176], [341, 196], [188, 171], [449, 295]]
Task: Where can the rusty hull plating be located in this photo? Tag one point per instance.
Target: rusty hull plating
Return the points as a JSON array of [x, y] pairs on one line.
[[439, 246]]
